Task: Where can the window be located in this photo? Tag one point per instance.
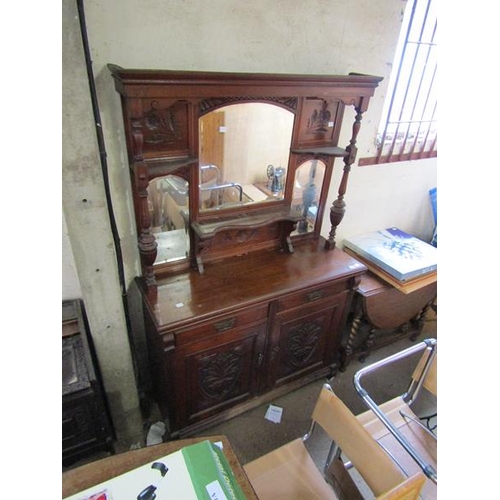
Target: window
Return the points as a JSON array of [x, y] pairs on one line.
[[408, 128]]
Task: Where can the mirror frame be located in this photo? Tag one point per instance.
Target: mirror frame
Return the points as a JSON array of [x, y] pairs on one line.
[[210, 213], [214, 105], [160, 112]]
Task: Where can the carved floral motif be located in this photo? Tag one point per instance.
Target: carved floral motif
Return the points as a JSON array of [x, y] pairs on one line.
[[319, 119], [219, 374], [303, 341]]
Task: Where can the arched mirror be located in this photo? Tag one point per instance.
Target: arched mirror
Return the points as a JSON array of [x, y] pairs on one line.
[[307, 188], [244, 150], [168, 202]]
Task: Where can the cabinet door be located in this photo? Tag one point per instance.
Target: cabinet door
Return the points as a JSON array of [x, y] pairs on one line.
[[217, 373], [304, 340]]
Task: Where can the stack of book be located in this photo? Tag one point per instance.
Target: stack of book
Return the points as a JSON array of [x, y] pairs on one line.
[[399, 258], [195, 472]]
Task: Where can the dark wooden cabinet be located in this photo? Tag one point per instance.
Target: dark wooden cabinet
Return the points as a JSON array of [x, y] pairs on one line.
[[86, 427], [249, 329], [243, 298]]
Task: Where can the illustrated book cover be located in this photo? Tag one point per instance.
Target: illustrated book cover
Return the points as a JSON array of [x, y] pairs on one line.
[[195, 472], [400, 254]]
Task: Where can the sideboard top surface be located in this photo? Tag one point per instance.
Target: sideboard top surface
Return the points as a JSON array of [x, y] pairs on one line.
[[245, 280]]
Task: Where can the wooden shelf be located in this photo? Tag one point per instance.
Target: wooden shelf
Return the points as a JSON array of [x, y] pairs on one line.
[[324, 151], [205, 230], [165, 166]]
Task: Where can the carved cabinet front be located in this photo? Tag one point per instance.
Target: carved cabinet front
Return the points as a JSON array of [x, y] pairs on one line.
[[218, 372], [302, 339], [229, 340]]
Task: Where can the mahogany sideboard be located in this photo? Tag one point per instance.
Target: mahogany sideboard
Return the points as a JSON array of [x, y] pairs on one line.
[[243, 297], [246, 331]]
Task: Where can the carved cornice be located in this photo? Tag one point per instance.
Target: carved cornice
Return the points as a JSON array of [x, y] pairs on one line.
[[216, 102]]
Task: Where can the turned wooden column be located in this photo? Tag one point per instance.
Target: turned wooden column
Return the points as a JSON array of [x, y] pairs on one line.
[[146, 240], [337, 210]]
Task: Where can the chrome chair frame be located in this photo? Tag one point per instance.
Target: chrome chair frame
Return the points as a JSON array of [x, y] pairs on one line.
[[408, 397]]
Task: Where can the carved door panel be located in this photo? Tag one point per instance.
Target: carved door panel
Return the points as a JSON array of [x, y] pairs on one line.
[[304, 340], [216, 375]]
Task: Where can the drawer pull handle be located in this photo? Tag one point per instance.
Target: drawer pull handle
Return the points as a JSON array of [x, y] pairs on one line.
[[227, 324], [315, 295]]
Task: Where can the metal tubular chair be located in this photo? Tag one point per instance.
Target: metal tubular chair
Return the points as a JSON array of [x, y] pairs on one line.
[[289, 472], [393, 424]]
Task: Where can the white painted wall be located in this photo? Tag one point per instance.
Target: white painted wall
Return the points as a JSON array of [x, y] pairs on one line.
[[277, 36]]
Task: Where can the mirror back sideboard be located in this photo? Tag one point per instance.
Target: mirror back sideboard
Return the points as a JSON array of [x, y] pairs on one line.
[[254, 304]]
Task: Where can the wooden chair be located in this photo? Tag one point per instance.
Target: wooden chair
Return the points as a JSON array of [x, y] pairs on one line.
[[290, 473]]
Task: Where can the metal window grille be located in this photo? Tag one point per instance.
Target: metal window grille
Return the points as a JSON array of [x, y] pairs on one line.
[[408, 129]]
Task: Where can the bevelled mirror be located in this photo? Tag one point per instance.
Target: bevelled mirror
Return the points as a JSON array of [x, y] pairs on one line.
[[307, 187], [244, 150], [168, 202]]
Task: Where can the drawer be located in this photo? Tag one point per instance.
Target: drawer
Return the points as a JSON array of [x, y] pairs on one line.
[[221, 324], [311, 295]]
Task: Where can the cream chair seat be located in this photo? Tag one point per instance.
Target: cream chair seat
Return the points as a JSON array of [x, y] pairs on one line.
[[290, 473]]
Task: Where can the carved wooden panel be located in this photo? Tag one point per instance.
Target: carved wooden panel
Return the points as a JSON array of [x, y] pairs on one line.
[[320, 121], [208, 105], [165, 127], [77, 420], [86, 427], [225, 242], [304, 340], [219, 373], [301, 343], [220, 376]]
